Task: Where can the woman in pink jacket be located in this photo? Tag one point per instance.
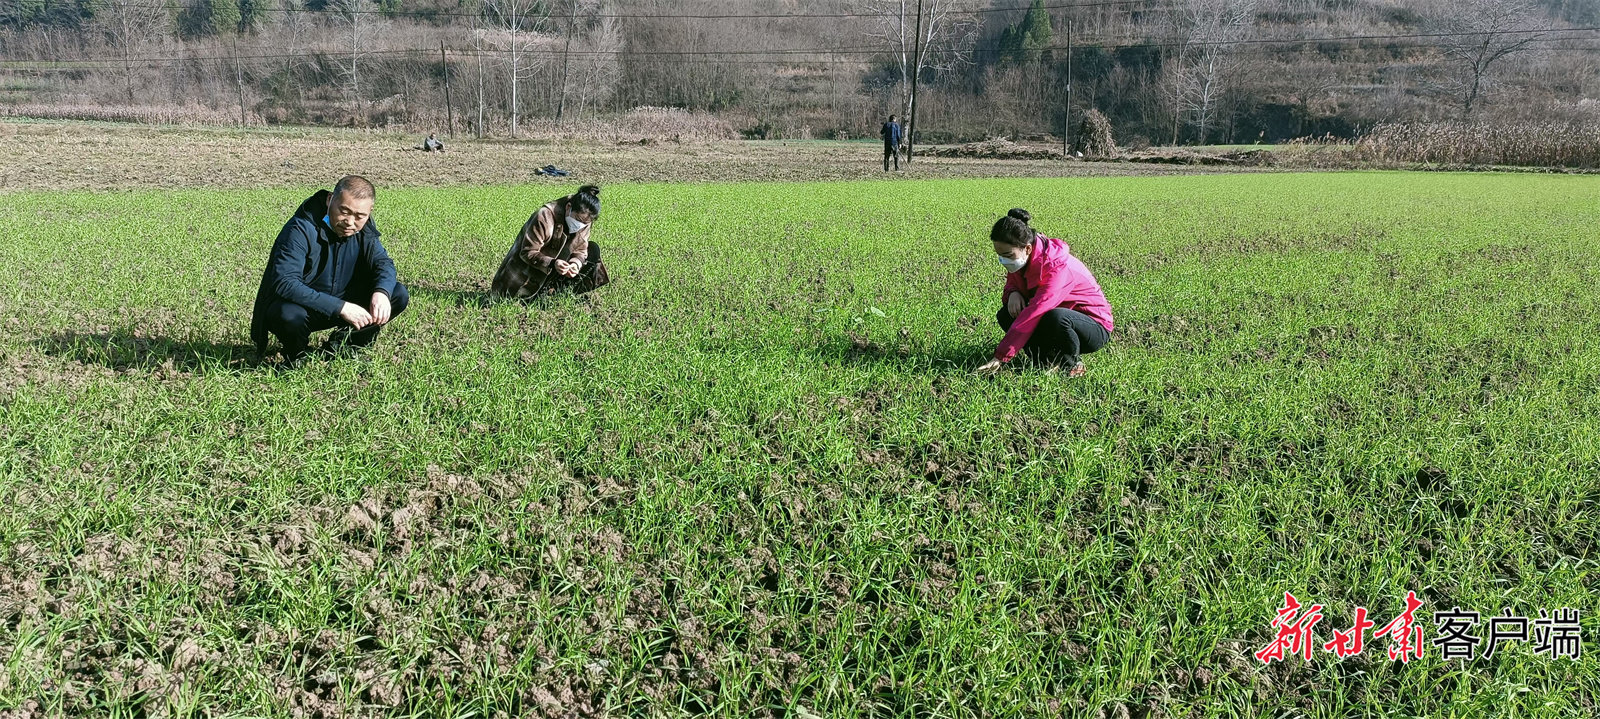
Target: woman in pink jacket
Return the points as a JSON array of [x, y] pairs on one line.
[[1053, 307]]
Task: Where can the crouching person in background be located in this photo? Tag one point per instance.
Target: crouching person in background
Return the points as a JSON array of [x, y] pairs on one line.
[[328, 270], [553, 251]]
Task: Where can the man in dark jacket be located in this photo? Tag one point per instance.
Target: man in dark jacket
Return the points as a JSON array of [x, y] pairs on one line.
[[328, 270], [891, 143]]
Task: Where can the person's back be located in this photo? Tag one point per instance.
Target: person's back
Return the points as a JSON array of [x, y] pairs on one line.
[[891, 143]]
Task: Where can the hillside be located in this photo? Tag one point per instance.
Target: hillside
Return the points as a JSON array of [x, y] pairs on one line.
[[1186, 71]]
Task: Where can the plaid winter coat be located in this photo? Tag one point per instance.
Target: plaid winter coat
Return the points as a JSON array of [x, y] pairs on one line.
[[543, 240]]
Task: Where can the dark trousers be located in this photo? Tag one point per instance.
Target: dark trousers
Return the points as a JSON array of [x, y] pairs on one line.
[[293, 324], [585, 280], [1061, 335], [891, 150]]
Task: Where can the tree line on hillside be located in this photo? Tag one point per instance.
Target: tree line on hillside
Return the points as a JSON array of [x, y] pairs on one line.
[[1180, 71]]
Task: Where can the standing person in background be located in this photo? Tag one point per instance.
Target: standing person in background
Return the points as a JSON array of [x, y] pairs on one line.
[[1052, 308], [891, 143], [553, 251]]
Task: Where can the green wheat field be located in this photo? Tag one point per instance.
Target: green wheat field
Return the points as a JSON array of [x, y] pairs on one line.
[[756, 475]]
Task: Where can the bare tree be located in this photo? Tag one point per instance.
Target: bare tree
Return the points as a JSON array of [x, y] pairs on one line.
[[949, 32], [297, 29], [1202, 59], [1309, 85], [357, 19], [1482, 33], [598, 69], [514, 27], [129, 25]]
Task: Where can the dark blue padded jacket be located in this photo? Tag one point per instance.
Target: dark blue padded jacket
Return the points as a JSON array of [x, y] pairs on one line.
[[312, 267]]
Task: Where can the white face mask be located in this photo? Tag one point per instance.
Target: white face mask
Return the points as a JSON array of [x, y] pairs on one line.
[[574, 225], [1012, 265]]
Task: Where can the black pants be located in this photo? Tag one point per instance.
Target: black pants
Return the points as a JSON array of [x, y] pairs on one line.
[[1061, 335], [554, 281], [293, 324], [891, 150]]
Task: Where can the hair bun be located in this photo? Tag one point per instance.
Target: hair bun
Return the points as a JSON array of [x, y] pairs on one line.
[[1020, 214], [593, 190]]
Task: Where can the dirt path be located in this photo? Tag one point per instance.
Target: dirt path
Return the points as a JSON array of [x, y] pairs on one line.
[[64, 155]]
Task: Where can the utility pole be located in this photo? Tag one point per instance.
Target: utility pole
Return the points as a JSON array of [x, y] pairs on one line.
[[238, 76], [916, 71], [449, 111], [183, 73], [480, 94], [566, 57], [1066, 131]]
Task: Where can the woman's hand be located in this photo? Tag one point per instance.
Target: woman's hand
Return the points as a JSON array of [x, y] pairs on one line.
[[992, 367], [1015, 303]]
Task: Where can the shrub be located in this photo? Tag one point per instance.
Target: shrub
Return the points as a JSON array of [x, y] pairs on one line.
[[1528, 145], [641, 124], [142, 114]]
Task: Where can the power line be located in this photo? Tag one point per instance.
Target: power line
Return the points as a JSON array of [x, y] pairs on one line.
[[855, 50], [1345, 38], [806, 59], [711, 59], [1116, 44], [681, 16], [846, 50]]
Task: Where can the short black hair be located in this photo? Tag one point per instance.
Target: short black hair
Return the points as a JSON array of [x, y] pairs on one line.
[[891, 118], [587, 198], [1013, 229], [355, 187]]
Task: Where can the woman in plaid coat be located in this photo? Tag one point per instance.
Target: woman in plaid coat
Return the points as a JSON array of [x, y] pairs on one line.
[[553, 251]]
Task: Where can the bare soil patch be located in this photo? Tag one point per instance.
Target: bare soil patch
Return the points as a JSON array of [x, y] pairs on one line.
[[96, 156]]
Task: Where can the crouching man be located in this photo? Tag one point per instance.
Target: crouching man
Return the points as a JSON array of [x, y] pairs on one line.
[[328, 270]]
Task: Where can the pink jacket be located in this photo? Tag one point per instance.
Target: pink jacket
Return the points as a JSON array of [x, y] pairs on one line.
[[1053, 278]]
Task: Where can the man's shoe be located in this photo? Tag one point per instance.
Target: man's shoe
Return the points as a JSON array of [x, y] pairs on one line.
[[343, 352], [336, 348], [338, 345]]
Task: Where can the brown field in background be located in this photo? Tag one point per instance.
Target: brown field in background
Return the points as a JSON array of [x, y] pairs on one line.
[[70, 155]]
